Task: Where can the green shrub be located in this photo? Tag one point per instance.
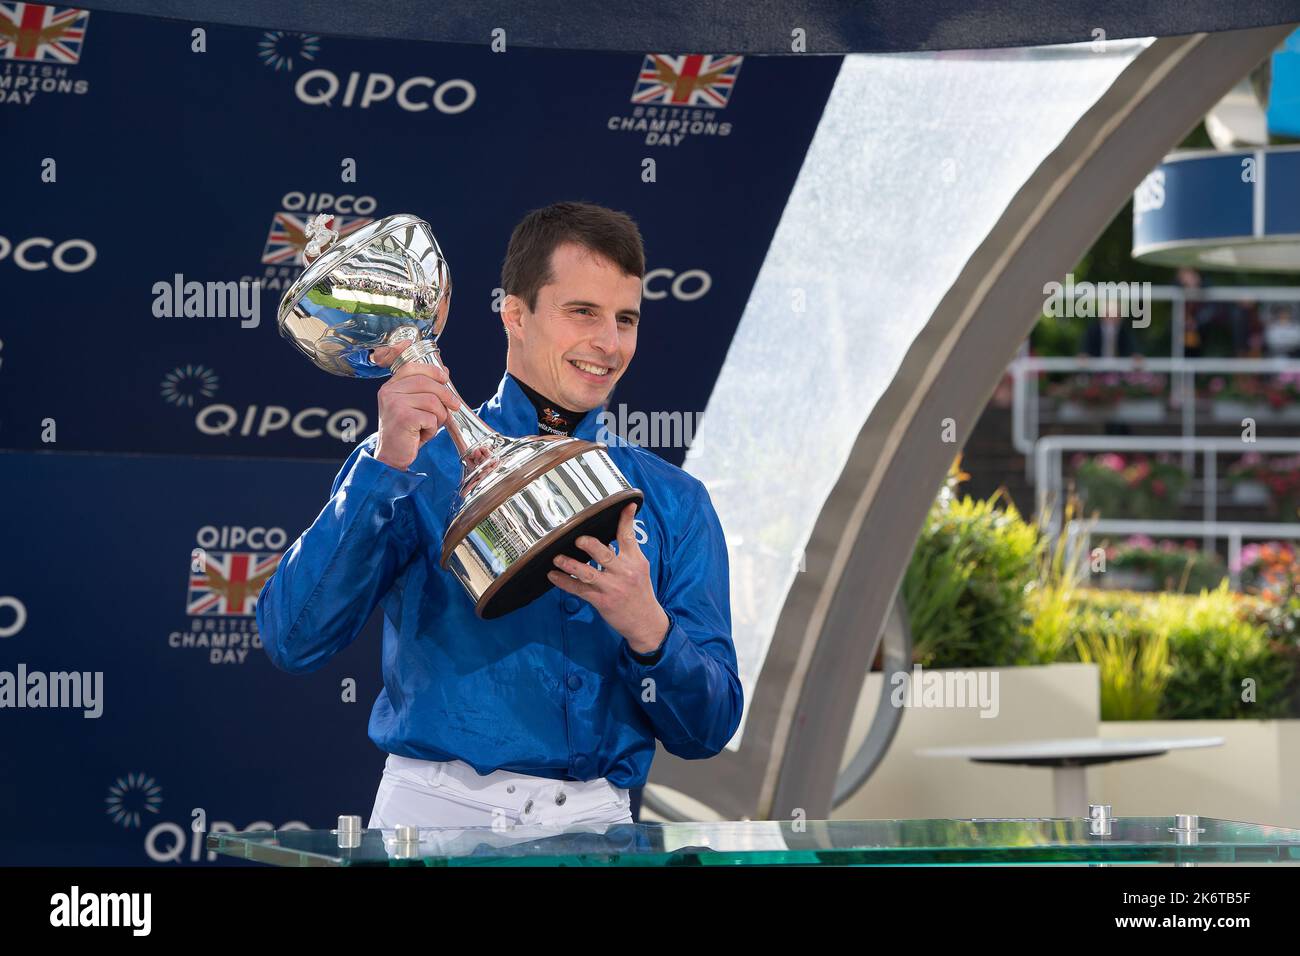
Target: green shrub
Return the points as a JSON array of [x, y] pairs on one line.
[[965, 585], [1132, 660], [1051, 597], [1215, 646], [1180, 657], [983, 589]]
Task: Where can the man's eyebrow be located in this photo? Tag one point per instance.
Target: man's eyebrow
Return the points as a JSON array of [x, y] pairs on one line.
[[592, 305]]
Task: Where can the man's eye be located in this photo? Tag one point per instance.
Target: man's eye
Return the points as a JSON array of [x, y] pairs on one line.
[[628, 319]]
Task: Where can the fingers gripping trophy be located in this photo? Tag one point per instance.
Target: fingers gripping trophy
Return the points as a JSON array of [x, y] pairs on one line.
[[376, 300]]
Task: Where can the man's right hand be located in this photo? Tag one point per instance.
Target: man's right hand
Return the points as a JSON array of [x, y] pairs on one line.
[[413, 405]]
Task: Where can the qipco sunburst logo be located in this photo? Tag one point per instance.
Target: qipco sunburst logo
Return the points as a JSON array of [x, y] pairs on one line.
[[130, 797], [181, 386], [279, 50]]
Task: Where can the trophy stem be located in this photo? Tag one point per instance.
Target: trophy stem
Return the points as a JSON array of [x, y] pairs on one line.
[[475, 441]]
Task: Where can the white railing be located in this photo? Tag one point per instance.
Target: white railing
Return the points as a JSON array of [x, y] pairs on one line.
[[1234, 532], [1049, 484], [1049, 471], [1044, 463], [1182, 394], [1182, 370]]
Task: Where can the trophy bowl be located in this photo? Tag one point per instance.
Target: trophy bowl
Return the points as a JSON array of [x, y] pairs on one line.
[[521, 501]]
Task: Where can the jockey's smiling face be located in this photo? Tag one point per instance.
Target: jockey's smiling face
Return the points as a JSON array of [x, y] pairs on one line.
[[580, 338]]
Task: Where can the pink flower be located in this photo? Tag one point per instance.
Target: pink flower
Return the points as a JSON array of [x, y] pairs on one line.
[[1249, 555]]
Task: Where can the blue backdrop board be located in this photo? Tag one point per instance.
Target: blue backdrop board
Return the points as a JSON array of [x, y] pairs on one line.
[[168, 705], [135, 433], [207, 165]]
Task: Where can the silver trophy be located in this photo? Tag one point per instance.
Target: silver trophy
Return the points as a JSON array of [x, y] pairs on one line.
[[521, 501]]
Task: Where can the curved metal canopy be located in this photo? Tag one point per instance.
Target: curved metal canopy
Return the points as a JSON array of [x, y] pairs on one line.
[[723, 26]]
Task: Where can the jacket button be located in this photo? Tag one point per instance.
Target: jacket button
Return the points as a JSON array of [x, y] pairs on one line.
[[510, 789], [574, 682], [571, 604], [528, 807], [580, 762], [559, 797]]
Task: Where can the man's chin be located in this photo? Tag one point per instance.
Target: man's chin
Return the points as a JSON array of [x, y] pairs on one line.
[[592, 398], [591, 395]]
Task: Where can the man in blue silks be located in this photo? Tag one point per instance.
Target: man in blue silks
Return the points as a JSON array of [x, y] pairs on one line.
[[547, 715]]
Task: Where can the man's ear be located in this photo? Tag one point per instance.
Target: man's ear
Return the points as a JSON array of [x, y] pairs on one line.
[[512, 314]]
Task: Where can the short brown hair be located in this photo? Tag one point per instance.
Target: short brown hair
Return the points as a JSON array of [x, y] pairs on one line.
[[607, 232]]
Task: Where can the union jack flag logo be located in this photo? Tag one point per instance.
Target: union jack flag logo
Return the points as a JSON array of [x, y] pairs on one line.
[[230, 582], [288, 236], [33, 31], [695, 79]]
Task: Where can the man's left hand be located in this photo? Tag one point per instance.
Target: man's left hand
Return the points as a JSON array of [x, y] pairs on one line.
[[620, 590]]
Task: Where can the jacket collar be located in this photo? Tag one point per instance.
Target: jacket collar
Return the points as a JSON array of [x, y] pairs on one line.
[[511, 413]]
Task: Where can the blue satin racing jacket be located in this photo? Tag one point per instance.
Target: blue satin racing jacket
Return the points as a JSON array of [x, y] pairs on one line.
[[550, 689]]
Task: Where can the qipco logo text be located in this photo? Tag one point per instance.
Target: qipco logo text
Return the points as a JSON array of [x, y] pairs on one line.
[[415, 95], [683, 286], [39, 253], [228, 537], [263, 420], [344, 205]]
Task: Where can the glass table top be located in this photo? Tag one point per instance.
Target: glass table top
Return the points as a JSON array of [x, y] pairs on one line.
[[791, 843]]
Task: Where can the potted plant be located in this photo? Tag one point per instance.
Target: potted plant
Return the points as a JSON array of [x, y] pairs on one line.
[[1141, 564], [1137, 486], [1245, 478], [1269, 569], [1273, 480], [1261, 397], [1135, 396]]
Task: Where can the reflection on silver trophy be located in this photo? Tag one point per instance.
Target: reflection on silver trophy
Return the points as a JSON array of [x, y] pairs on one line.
[[521, 501]]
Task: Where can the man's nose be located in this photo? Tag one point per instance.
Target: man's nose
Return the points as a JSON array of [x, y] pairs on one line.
[[605, 338]]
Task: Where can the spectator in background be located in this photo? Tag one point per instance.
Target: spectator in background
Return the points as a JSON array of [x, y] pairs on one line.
[[1282, 334], [1191, 335], [1209, 329], [1109, 336], [1196, 314], [1249, 329]]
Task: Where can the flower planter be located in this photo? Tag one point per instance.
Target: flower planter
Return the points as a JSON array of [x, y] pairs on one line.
[[1254, 776], [1073, 412], [1250, 493], [1129, 410], [1056, 700], [1232, 410], [1140, 410]]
